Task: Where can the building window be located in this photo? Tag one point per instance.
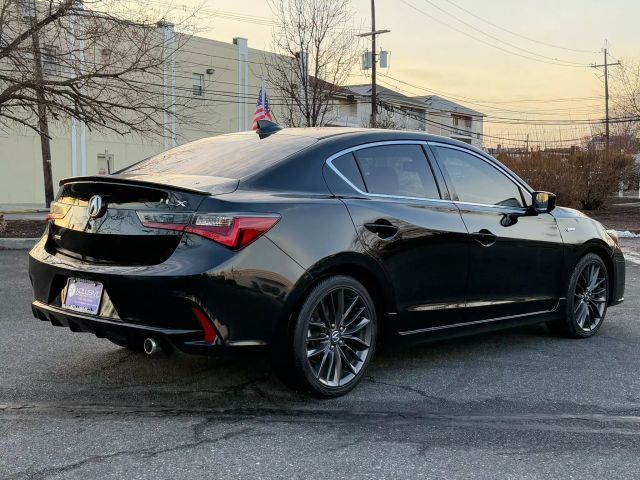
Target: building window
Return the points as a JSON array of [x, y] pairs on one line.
[[105, 163], [459, 121], [50, 65], [198, 84]]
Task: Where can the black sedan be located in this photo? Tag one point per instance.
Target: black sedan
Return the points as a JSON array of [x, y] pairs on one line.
[[319, 243]]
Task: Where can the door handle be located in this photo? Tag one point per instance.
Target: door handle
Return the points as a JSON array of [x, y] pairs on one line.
[[484, 237], [382, 228]]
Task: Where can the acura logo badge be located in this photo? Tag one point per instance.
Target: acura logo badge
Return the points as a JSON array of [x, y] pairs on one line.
[[95, 206]]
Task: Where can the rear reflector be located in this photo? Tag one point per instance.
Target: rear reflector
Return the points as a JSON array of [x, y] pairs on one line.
[[232, 231], [209, 330]]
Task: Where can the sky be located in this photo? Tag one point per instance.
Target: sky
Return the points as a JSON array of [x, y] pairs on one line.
[[448, 47]]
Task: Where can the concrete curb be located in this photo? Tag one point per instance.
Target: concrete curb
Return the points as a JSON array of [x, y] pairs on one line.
[[17, 243]]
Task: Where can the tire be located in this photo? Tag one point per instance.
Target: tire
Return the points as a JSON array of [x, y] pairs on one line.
[[587, 299], [333, 339]]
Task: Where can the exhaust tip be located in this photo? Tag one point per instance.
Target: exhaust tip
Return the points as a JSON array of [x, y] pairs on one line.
[[150, 346]]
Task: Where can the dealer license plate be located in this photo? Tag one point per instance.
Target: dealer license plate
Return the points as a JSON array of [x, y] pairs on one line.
[[83, 296]]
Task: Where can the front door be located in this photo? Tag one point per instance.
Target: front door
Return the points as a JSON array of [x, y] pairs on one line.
[[515, 257], [418, 236]]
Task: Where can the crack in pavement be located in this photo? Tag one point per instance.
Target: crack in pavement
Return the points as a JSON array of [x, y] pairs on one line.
[[149, 452]]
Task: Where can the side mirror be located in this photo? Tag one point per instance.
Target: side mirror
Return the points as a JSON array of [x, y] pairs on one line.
[[543, 202]]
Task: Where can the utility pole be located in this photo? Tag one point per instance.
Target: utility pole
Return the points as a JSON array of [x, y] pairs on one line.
[[373, 33], [606, 64], [30, 10]]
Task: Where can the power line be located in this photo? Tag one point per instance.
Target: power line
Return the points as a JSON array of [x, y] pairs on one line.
[[560, 64], [518, 34], [482, 32], [459, 98]]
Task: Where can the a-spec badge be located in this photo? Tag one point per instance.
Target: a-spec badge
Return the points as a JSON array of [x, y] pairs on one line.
[[174, 203], [94, 209]]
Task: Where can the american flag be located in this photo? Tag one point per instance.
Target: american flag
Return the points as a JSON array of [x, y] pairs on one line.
[[263, 110]]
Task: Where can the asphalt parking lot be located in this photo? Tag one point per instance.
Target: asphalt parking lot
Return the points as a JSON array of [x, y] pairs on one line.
[[515, 404]]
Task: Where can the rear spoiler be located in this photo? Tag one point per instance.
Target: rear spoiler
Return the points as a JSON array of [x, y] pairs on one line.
[[200, 184]]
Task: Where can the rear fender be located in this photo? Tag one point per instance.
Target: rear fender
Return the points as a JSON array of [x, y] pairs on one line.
[[362, 267]]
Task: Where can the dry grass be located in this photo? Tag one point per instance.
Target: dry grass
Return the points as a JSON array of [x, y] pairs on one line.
[[581, 180]]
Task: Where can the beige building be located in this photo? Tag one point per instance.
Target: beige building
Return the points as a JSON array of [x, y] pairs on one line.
[[222, 79]]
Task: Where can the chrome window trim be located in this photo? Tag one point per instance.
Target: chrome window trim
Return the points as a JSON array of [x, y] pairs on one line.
[[329, 162]]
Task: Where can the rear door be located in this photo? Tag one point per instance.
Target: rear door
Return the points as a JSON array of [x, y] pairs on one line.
[[404, 219], [515, 258]]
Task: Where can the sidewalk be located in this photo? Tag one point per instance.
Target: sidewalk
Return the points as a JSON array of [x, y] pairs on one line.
[[23, 211]]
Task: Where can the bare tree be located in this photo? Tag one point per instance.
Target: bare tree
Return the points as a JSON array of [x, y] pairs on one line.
[[100, 62], [386, 118], [626, 106], [314, 52]]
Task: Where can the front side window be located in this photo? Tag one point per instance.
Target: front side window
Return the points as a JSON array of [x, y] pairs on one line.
[[475, 181], [400, 170]]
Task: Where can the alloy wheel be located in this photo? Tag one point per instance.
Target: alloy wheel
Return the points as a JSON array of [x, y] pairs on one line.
[[339, 337], [590, 297]]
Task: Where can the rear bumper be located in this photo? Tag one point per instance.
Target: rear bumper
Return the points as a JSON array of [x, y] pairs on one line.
[[189, 341], [242, 293]]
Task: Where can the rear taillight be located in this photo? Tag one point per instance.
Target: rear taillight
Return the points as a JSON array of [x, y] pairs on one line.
[[57, 211], [233, 231]]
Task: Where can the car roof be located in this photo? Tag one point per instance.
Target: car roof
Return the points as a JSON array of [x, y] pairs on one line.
[[371, 135]]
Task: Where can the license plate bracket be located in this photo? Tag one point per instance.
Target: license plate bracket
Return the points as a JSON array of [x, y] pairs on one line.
[[83, 296]]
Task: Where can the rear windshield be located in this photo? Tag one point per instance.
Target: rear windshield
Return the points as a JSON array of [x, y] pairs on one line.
[[229, 156]]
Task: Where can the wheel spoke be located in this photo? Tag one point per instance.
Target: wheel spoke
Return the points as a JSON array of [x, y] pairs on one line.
[[337, 366], [594, 311], [339, 308], [317, 350], [359, 326], [354, 318], [324, 314], [348, 310], [322, 362], [345, 361], [347, 349], [582, 314], [331, 358], [321, 325], [356, 340], [320, 338], [595, 273]]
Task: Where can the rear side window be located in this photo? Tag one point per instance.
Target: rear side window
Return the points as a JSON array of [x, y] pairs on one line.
[[346, 165], [228, 156], [475, 181], [401, 170]]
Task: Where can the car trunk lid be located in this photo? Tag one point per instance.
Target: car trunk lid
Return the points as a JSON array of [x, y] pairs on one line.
[[99, 217]]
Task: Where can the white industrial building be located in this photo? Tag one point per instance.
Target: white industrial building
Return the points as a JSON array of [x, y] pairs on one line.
[[432, 114], [224, 80]]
